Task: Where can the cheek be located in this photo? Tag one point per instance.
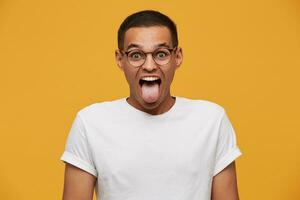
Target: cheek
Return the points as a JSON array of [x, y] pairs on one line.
[[172, 73], [169, 74], [130, 76]]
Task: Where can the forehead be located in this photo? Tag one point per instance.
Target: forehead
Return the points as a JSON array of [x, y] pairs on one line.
[[147, 37]]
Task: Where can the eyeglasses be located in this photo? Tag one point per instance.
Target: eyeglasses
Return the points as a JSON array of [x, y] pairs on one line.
[[137, 57]]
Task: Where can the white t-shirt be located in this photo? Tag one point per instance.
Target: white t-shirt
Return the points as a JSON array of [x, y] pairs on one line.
[[139, 156]]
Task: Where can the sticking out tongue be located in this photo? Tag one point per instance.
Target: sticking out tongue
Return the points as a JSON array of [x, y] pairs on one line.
[[150, 92]]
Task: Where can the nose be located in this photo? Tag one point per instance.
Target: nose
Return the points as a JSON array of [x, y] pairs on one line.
[[149, 63]]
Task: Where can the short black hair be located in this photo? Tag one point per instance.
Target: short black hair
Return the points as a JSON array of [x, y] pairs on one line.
[[147, 18]]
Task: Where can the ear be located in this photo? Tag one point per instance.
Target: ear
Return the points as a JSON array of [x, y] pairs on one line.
[[119, 59], [178, 57]]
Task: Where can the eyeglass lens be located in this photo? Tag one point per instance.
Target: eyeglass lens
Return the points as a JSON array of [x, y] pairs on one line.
[[137, 57]]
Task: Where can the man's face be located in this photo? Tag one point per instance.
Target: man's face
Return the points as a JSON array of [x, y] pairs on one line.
[[150, 83]]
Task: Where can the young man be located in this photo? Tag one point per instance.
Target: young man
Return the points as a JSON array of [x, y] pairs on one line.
[[151, 145]]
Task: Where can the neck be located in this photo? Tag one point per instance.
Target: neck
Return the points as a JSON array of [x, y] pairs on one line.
[[161, 108]]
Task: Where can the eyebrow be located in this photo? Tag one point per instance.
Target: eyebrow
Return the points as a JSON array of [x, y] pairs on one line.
[[132, 45]]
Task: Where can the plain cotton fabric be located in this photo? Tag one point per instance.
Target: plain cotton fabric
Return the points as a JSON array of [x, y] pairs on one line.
[[138, 156]]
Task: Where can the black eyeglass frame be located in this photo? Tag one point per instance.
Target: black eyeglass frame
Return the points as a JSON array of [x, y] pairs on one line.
[[145, 53]]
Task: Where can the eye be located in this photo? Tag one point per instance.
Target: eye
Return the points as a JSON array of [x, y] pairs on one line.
[[162, 54], [135, 55]]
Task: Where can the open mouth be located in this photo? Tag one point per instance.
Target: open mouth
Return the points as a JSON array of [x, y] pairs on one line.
[[150, 88], [150, 81]]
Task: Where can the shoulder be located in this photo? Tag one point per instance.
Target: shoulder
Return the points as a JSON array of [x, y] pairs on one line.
[[203, 104], [100, 109], [203, 107]]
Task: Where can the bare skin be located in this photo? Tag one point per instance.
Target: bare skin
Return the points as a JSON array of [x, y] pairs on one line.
[[148, 39], [224, 186], [79, 185]]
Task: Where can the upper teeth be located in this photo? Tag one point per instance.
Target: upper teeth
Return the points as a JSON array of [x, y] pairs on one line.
[[150, 78]]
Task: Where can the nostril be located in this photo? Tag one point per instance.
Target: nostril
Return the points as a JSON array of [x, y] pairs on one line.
[[149, 69], [149, 66]]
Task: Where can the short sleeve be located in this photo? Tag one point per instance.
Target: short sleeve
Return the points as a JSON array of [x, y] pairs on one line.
[[227, 150], [77, 149]]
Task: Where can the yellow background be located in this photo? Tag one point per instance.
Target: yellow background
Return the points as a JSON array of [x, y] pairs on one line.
[[58, 56]]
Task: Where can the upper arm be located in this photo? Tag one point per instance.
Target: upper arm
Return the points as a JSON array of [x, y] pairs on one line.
[[224, 185], [78, 184]]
